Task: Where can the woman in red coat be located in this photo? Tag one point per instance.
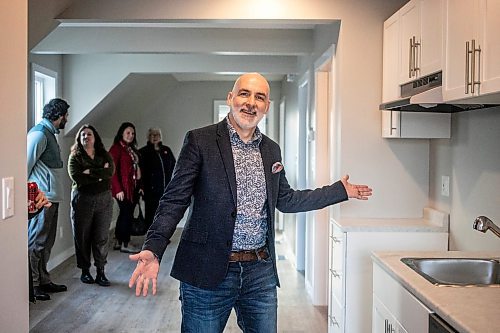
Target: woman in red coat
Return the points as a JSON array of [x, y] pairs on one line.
[[125, 183]]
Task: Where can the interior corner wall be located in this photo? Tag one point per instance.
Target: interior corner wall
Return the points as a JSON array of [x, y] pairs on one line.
[[471, 158], [397, 170], [41, 20], [14, 315]]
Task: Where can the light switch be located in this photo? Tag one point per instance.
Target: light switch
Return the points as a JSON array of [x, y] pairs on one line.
[[7, 197]]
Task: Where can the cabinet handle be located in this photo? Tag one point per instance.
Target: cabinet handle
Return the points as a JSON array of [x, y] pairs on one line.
[[334, 322], [410, 60], [473, 63], [335, 239], [467, 67], [393, 127], [415, 56], [334, 273]]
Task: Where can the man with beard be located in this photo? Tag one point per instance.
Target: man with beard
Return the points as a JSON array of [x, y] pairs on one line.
[[45, 167], [231, 177]]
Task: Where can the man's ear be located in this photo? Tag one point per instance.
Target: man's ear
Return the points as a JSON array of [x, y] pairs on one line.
[[268, 106], [229, 98]]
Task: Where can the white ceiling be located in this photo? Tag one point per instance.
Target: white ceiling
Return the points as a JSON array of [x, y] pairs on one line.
[[261, 38], [275, 46]]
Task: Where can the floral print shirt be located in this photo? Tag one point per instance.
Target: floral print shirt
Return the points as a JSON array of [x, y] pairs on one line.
[[250, 228]]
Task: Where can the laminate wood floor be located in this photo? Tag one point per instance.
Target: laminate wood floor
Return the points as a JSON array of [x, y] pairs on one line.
[[91, 308]]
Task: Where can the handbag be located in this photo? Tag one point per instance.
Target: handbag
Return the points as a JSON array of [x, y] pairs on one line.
[[138, 227]]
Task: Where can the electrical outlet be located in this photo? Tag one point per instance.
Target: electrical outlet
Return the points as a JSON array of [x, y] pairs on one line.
[[445, 186]]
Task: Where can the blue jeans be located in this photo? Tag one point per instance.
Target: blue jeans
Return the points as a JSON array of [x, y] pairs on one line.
[[249, 288]]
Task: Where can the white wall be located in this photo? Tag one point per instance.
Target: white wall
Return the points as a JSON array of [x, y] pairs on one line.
[[41, 18], [13, 231], [176, 108], [89, 78], [471, 158], [397, 170]]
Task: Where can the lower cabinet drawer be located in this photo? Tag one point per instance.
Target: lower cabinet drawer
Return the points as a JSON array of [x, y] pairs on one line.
[[336, 286], [335, 317]]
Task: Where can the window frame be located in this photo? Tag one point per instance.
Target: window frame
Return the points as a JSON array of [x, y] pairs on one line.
[[220, 104], [46, 80]]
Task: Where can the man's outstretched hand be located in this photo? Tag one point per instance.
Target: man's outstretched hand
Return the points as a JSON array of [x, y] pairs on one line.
[[361, 192], [146, 271]]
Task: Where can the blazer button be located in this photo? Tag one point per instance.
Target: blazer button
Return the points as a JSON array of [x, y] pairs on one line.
[[228, 243], [233, 215]]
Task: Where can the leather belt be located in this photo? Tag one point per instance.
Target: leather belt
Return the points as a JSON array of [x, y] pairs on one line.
[[250, 255]]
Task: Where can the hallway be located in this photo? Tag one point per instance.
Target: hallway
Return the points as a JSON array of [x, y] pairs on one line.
[[91, 308]]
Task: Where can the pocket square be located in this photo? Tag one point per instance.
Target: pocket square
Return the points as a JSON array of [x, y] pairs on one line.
[[277, 167]]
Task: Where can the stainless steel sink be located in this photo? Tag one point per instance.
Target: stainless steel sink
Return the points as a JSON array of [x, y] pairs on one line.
[[457, 271]]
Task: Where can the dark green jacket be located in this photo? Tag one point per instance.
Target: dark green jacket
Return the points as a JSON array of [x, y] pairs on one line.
[[99, 178]]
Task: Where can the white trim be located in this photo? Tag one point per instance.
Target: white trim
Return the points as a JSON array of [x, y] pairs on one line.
[[45, 71], [325, 58]]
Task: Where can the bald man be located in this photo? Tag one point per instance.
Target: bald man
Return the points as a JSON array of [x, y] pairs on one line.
[[232, 177]]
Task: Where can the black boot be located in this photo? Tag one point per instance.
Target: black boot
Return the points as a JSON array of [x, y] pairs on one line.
[[86, 277], [101, 279], [40, 295]]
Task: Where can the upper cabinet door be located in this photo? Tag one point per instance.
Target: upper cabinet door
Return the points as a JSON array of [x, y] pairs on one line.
[[472, 48], [391, 60], [431, 42], [490, 42], [459, 28], [421, 24], [409, 17]]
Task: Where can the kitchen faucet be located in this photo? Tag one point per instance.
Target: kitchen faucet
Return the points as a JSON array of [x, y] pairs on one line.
[[482, 223]]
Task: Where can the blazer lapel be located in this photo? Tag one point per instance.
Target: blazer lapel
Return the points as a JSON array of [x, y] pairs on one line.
[[227, 156], [267, 161]]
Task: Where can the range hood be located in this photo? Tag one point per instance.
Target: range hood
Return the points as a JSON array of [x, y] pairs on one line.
[[426, 95]]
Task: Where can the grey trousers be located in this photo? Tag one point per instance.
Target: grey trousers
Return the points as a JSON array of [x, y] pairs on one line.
[[41, 237], [91, 217]]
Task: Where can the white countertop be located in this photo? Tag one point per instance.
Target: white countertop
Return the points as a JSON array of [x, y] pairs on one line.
[[432, 221], [467, 309]]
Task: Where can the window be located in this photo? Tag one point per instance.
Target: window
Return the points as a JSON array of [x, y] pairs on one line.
[[44, 89], [221, 109]]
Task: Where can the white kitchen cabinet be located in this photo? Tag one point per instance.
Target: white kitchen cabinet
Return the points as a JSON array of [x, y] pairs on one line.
[[472, 49], [395, 309], [391, 60], [416, 125], [397, 57], [350, 273], [383, 320], [421, 39]]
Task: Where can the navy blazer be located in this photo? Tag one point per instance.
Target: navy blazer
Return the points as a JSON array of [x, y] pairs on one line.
[[204, 178]]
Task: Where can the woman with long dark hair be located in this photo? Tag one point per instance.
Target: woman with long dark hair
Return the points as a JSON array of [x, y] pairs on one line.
[[125, 183], [91, 167]]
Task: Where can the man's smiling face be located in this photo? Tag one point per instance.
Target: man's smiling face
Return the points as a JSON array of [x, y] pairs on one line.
[[248, 101]]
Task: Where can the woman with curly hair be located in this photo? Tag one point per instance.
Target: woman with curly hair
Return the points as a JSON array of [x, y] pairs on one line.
[[91, 167]]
